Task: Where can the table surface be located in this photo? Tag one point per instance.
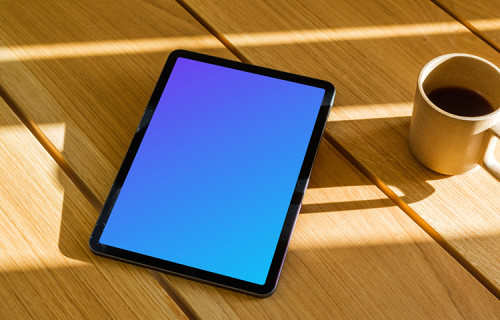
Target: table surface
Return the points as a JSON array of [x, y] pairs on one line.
[[379, 236]]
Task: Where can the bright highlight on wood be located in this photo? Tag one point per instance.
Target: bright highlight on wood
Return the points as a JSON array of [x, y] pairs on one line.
[[135, 46]]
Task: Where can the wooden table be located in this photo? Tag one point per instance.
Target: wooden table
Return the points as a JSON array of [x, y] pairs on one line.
[[379, 236]]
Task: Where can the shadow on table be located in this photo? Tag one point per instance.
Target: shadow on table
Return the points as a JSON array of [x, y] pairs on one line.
[[83, 291], [331, 170], [406, 176], [110, 92], [100, 122], [387, 280], [403, 279]]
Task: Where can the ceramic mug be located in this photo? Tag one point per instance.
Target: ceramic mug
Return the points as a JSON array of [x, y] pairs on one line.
[[449, 143]]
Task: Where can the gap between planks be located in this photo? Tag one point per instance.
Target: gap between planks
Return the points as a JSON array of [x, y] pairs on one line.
[[214, 32], [63, 164], [468, 266], [97, 205], [328, 138], [466, 24]]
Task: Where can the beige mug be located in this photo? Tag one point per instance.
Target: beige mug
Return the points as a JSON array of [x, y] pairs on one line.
[[449, 143]]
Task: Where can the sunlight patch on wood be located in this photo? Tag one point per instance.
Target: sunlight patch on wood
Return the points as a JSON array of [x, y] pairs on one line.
[[251, 39]]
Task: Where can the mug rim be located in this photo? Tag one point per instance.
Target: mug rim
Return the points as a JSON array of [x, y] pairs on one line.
[[437, 61]]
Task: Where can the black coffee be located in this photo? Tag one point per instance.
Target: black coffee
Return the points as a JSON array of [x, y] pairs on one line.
[[460, 101]]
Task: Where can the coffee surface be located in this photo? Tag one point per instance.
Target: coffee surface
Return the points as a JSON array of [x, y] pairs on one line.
[[460, 101]]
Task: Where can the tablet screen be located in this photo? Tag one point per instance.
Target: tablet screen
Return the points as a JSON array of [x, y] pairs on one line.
[[212, 180]]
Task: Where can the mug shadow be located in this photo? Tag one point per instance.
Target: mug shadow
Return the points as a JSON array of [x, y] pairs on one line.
[[101, 122], [401, 171], [408, 179], [412, 186], [99, 85], [75, 226]]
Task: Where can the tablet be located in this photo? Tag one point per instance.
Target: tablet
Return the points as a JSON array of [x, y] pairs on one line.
[[212, 183]]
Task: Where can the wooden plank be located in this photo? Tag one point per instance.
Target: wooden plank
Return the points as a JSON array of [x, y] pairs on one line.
[[481, 16], [353, 255], [41, 71], [91, 66], [84, 76], [46, 268], [373, 51]]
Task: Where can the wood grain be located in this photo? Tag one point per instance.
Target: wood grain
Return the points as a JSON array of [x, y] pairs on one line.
[[373, 51], [91, 66], [481, 16], [85, 76], [46, 268], [353, 256]]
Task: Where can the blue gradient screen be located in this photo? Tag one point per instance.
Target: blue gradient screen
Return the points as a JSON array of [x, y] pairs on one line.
[[213, 178]]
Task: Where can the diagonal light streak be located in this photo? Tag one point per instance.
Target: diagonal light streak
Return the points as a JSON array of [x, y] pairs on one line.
[[135, 46]]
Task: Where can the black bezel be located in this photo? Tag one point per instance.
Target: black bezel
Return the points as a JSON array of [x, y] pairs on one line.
[[293, 209]]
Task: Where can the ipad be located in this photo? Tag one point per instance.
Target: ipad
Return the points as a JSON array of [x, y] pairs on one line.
[[212, 183]]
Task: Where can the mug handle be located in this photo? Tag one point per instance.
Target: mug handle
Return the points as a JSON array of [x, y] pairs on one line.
[[489, 161]]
